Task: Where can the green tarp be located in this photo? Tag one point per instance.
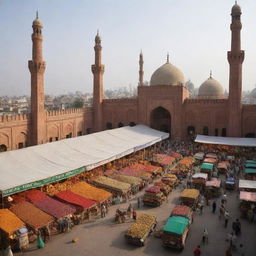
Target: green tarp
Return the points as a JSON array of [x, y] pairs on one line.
[[176, 225], [250, 165], [207, 166], [250, 170], [250, 162]]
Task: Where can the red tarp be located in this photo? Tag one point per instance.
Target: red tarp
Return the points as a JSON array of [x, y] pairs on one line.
[[214, 182], [54, 207], [181, 210], [248, 196], [72, 198], [35, 196], [153, 189]]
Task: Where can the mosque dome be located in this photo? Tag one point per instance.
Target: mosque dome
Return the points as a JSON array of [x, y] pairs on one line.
[[167, 74], [236, 9], [253, 93], [211, 89]]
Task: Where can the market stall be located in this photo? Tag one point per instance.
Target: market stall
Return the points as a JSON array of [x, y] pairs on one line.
[[88, 191], [223, 166], [250, 173], [135, 182], [141, 229], [199, 180], [190, 197], [171, 180], [175, 155], [117, 188], [34, 218], [199, 156], [247, 185], [230, 183], [212, 188], [166, 189], [175, 232], [207, 168], [84, 207], [153, 196], [145, 176], [248, 203], [212, 155], [183, 211], [163, 160], [10, 225], [210, 160]]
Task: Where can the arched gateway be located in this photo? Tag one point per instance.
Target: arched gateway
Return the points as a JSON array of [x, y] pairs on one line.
[[160, 119]]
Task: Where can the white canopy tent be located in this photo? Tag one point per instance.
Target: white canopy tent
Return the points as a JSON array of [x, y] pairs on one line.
[[39, 165], [229, 141]]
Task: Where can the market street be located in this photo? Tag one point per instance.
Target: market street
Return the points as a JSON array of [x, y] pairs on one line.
[[104, 237]]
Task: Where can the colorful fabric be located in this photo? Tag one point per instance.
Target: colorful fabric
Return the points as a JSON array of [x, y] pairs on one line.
[[34, 196], [181, 210], [207, 166]]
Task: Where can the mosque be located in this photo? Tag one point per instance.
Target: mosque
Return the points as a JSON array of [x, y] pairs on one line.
[[164, 105]]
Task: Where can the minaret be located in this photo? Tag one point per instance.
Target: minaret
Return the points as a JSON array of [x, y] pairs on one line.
[[98, 94], [141, 72], [235, 59], [37, 68]]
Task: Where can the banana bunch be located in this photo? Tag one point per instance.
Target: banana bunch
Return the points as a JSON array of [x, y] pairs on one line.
[[146, 219]]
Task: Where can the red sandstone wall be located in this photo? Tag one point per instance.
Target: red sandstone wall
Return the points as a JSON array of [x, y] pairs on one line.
[[249, 120], [205, 112], [14, 130], [117, 111]]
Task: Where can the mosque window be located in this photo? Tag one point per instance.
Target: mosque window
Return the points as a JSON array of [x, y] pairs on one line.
[[3, 148], [120, 124], [132, 124], [109, 125], [20, 145], [216, 132], [51, 139], [56, 138], [80, 133], [205, 130], [69, 135], [191, 130], [223, 132], [88, 130]]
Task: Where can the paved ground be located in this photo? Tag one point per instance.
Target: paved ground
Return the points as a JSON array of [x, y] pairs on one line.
[[104, 238]]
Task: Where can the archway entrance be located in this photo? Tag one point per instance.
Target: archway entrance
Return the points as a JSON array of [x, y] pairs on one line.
[[160, 119], [3, 148]]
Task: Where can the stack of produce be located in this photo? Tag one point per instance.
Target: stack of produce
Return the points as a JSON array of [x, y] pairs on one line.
[[91, 192], [138, 232], [163, 187], [35, 196], [112, 185], [175, 155], [136, 173], [164, 160], [9, 222], [189, 160], [153, 196], [51, 190], [170, 179], [76, 200], [55, 208], [31, 215], [110, 172], [147, 168], [190, 197]]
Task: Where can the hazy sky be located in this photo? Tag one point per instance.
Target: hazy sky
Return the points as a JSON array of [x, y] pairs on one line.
[[195, 32]]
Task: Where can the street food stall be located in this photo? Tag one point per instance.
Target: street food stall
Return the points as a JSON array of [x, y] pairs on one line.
[[175, 232], [207, 168], [83, 206], [212, 188], [199, 180], [163, 160], [145, 176], [170, 180], [190, 197], [230, 183], [153, 196], [141, 229], [183, 211], [117, 188], [10, 226]]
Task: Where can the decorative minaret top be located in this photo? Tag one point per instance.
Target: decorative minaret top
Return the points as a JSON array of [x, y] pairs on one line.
[[141, 72], [37, 39]]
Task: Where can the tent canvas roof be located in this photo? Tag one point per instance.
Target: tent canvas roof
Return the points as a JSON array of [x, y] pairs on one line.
[[251, 184], [250, 170], [230, 141], [43, 164], [248, 196], [176, 225], [207, 166]]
